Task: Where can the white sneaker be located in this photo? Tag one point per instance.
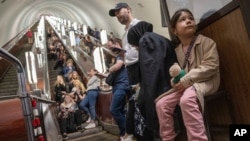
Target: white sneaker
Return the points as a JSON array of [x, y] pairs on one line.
[[90, 125], [89, 120], [121, 138], [128, 138]]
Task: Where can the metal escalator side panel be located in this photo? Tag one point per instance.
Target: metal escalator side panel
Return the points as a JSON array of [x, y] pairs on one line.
[[12, 125]]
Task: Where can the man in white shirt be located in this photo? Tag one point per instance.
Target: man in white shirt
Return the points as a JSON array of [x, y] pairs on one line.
[[123, 13]]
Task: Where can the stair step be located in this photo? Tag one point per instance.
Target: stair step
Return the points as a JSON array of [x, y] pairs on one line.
[[14, 89], [86, 132], [8, 93], [94, 135], [11, 76], [8, 86], [8, 82]]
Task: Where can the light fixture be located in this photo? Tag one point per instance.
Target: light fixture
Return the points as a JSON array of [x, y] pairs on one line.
[[69, 24], [36, 40], [85, 30], [63, 32], [99, 61], [31, 67], [40, 59], [73, 43], [72, 38], [104, 38], [75, 26]]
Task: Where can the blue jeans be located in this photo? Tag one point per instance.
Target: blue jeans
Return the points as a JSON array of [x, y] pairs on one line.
[[88, 103], [117, 108]]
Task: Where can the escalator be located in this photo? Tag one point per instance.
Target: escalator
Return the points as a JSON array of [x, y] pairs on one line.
[[9, 85], [102, 132], [16, 117]]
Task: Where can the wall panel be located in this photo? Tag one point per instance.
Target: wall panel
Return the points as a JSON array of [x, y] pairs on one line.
[[233, 44]]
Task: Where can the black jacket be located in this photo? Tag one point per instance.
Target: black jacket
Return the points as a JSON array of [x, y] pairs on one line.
[[156, 55]]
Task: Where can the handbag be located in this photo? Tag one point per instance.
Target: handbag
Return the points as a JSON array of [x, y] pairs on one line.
[[110, 78]]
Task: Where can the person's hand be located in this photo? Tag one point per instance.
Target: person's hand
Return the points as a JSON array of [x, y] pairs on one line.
[[100, 75], [179, 87], [171, 82], [78, 91]]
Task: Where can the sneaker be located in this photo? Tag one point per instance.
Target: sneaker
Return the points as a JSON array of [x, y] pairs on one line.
[[128, 138], [90, 125], [89, 120], [121, 138]]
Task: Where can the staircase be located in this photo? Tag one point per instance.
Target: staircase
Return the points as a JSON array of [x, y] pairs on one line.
[[99, 133], [9, 85], [52, 76]]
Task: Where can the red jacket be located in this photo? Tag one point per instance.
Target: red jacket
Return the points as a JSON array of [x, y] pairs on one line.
[[29, 34]]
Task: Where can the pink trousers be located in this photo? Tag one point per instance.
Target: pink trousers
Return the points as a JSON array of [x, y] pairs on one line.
[[191, 113]]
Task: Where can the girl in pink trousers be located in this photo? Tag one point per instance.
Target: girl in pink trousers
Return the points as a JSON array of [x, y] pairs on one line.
[[198, 55]]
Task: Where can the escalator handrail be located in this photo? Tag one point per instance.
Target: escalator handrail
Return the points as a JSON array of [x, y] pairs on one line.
[[43, 100], [109, 52]]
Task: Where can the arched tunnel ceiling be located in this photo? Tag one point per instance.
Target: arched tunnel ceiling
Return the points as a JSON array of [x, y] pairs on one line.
[[15, 15]]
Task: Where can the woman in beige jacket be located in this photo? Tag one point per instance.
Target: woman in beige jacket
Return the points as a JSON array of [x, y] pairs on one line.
[[202, 78]]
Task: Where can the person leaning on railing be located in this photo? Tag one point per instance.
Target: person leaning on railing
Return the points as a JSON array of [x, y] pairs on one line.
[[88, 103]]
